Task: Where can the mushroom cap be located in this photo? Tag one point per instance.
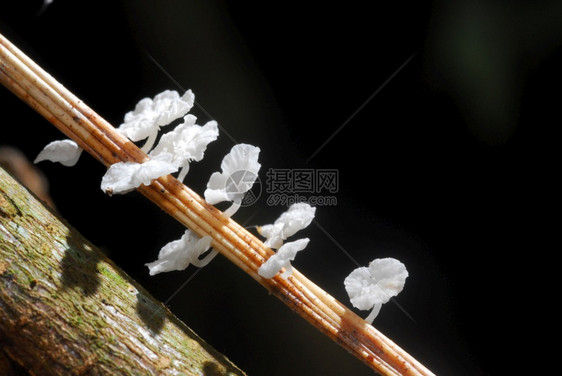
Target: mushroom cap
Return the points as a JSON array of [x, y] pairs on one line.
[[296, 218], [282, 258], [123, 177], [376, 284], [240, 169], [150, 114], [188, 141], [178, 254], [66, 152]]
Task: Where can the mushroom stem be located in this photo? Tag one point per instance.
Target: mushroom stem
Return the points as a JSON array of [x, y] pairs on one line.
[[288, 270], [233, 208], [184, 170], [149, 142], [374, 313], [205, 260]]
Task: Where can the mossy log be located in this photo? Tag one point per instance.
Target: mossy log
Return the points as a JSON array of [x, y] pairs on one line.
[[65, 309]]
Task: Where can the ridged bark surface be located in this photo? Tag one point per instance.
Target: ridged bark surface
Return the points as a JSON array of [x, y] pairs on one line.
[[65, 309]]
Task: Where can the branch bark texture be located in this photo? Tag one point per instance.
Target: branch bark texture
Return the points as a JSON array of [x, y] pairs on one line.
[[65, 309]]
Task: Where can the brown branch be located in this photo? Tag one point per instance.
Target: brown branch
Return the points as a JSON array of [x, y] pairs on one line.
[[29, 82]]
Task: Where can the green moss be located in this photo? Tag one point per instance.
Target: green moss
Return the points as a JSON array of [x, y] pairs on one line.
[[114, 278], [76, 321]]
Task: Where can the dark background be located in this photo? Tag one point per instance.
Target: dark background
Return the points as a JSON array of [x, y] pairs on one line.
[[444, 166]]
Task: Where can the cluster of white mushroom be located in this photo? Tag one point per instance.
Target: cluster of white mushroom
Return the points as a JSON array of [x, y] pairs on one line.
[[368, 288]]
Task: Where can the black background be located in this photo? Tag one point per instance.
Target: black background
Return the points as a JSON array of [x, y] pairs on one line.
[[445, 168]]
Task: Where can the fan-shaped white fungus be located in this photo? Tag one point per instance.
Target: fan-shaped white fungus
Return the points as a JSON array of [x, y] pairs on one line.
[[123, 177], [296, 218], [282, 259], [370, 287], [66, 152], [240, 169], [178, 254], [151, 114], [187, 142]]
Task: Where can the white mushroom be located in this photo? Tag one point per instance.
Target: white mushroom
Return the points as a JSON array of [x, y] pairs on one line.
[[371, 287], [282, 259], [178, 254], [239, 172], [187, 143], [123, 177], [149, 115], [296, 218], [66, 152]]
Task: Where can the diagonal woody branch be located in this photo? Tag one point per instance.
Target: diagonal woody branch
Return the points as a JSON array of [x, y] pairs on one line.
[[70, 115], [65, 309]]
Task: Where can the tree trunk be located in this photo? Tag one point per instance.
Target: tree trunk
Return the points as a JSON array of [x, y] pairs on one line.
[[65, 309]]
